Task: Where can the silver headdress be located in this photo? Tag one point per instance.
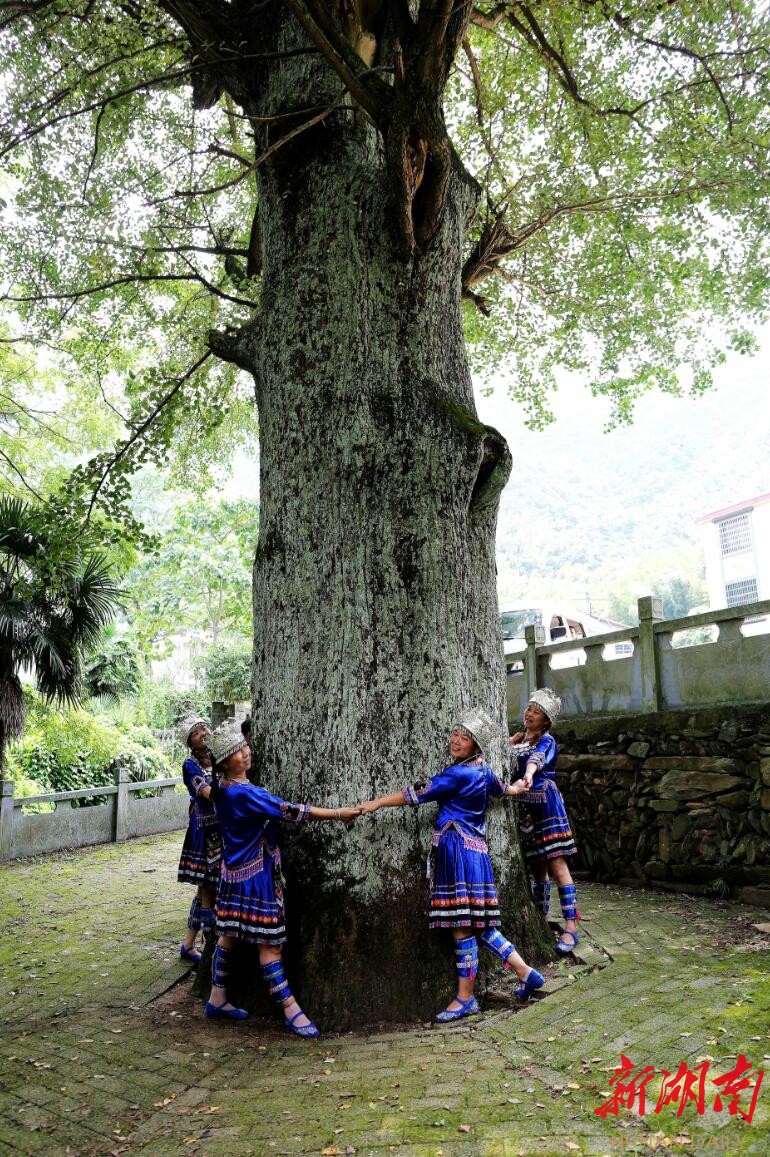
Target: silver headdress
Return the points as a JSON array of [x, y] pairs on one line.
[[548, 703], [226, 740], [186, 726], [479, 726]]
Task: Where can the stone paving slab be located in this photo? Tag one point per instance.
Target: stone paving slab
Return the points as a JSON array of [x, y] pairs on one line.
[[103, 1050]]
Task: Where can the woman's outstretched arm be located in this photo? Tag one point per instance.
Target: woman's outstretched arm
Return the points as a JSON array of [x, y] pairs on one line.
[[397, 799]]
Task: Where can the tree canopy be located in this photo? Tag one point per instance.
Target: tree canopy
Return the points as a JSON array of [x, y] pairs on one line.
[[621, 150], [198, 579]]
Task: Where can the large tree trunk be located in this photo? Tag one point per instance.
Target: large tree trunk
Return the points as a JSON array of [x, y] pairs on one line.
[[375, 605]]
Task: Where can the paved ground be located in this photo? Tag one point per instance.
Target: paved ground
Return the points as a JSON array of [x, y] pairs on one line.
[[96, 1060]]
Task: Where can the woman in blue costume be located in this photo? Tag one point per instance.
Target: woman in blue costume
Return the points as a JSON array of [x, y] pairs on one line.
[[202, 848], [463, 896], [546, 836], [250, 905]]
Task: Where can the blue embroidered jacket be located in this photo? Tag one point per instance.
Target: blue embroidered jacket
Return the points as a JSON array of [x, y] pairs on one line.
[[463, 791], [195, 777], [247, 816], [543, 753]]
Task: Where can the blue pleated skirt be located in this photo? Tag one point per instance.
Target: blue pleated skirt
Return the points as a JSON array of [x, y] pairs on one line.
[[250, 904], [462, 892], [202, 847], [543, 824]]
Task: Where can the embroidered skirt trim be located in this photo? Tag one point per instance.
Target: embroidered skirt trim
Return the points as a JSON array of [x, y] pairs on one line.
[[253, 868], [473, 843]]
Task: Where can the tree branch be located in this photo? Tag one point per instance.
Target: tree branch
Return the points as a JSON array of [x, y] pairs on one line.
[[369, 91], [24, 482], [140, 86], [130, 279], [141, 430]]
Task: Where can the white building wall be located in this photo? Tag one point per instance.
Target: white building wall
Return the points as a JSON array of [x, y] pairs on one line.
[[761, 520], [713, 558], [752, 562]]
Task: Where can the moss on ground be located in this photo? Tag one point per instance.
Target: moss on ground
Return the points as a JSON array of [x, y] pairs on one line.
[[96, 1059]]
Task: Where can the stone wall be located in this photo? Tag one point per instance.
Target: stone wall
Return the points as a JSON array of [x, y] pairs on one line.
[[676, 799]]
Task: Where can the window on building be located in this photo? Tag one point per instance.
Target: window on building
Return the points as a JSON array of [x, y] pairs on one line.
[[741, 592], [735, 534]]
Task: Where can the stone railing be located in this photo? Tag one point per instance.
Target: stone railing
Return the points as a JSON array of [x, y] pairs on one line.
[[645, 669], [119, 817]]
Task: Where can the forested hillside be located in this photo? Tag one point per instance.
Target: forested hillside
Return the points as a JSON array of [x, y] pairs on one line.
[[612, 515]]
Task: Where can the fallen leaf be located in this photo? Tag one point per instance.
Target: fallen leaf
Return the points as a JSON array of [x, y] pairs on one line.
[[571, 1145], [463, 1128]]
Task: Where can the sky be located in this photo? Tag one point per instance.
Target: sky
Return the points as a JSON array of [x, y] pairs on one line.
[[740, 402], [681, 458]]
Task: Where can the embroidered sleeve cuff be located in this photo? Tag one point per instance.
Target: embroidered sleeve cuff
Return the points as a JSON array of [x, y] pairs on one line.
[[538, 758], [410, 795], [199, 782], [295, 813], [501, 784]]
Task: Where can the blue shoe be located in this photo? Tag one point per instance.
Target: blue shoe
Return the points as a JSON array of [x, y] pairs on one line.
[[534, 981], [307, 1030], [566, 949], [467, 1008], [191, 954], [221, 1012]]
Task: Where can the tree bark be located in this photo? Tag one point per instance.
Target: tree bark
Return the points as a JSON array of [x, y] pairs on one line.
[[375, 609]]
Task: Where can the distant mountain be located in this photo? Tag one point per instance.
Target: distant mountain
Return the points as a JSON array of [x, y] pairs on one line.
[[610, 515]]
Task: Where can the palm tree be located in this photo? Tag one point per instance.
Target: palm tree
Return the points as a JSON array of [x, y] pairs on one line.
[[113, 669], [54, 603]]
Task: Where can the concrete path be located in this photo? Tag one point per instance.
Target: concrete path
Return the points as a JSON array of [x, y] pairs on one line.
[[98, 1054]]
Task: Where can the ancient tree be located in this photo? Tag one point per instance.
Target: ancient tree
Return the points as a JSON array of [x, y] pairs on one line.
[[333, 197]]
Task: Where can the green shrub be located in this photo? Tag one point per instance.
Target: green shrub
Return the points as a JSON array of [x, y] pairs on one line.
[[226, 671], [64, 749], [144, 757], [23, 788], [69, 749], [161, 705]]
